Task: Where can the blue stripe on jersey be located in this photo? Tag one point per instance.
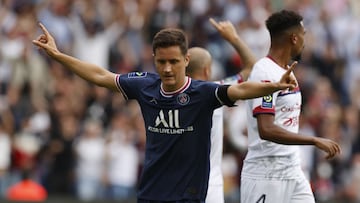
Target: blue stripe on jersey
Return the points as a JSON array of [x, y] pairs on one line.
[[285, 92]]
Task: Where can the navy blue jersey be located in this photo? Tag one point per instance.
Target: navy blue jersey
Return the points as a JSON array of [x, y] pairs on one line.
[[178, 125]]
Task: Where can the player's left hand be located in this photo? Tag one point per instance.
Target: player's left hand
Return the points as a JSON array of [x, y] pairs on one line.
[[330, 147]]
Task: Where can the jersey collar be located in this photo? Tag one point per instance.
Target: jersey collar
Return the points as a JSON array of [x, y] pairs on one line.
[[180, 90]]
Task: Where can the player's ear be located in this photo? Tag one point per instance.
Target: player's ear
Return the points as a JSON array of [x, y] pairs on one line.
[[187, 59], [294, 38]]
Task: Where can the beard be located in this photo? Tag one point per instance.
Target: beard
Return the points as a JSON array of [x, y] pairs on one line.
[[297, 57]]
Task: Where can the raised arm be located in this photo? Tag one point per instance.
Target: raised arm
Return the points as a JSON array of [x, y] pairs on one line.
[[228, 32], [249, 90], [90, 72]]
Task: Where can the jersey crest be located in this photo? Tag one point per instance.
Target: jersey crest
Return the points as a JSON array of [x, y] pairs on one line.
[[183, 99]]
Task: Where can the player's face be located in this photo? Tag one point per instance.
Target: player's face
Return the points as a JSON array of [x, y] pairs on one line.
[[300, 44], [171, 65]]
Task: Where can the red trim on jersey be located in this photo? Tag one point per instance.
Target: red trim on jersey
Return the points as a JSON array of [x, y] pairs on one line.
[[271, 58], [296, 89], [258, 110], [180, 90]]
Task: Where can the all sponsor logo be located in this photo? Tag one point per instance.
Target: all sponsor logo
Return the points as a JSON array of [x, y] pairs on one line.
[[168, 122], [171, 122]]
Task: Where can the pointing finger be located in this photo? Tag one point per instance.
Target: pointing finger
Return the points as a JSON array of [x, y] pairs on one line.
[[45, 31], [291, 68], [214, 23]]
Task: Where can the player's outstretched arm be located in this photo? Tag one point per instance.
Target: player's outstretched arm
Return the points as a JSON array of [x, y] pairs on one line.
[[250, 90], [90, 72], [228, 32]]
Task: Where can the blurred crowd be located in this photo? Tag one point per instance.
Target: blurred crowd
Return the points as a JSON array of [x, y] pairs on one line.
[[84, 141]]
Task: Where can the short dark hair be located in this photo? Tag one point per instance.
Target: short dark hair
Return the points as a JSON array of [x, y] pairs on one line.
[[170, 37], [281, 21]]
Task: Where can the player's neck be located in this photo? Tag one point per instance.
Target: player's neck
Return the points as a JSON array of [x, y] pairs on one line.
[[280, 57], [170, 89]]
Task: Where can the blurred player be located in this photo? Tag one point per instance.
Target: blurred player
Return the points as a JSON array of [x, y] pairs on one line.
[[177, 113], [199, 68], [272, 172]]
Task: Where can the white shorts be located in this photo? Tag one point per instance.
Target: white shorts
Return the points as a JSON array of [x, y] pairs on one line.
[[269, 182], [276, 191], [215, 194]]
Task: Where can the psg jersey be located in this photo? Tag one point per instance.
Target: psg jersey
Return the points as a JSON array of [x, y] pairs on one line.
[[178, 125]]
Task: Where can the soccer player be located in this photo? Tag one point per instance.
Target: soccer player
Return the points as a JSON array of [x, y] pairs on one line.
[[177, 113], [271, 171], [199, 68]]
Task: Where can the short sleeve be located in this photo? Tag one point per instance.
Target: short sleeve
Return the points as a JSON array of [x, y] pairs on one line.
[[265, 104], [129, 84]]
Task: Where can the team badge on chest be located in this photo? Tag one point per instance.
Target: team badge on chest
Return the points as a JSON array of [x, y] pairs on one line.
[[183, 99]]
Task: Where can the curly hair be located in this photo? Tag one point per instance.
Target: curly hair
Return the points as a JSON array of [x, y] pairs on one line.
[[281, 21]]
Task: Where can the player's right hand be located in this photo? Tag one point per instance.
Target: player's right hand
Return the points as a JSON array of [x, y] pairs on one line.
[[46, 42], [330, 147], [288, 80]]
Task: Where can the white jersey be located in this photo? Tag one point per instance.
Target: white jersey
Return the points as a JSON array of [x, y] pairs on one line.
[[284, 105], [269, 166], [215, 189], [217, 129]]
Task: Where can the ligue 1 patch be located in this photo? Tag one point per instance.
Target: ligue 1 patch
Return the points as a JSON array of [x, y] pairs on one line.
[[183, 99], [267, 102], [137, 74]]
